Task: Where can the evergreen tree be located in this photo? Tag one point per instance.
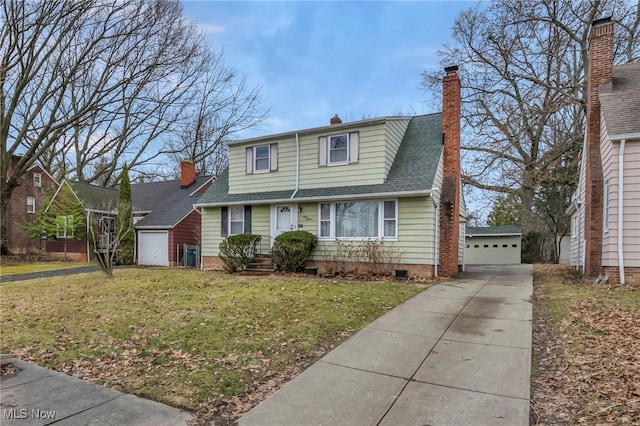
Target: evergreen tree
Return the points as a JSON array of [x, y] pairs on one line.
[[124, 220]]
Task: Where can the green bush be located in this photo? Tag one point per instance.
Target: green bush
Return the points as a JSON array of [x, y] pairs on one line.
[[292, 249], [237, 250]]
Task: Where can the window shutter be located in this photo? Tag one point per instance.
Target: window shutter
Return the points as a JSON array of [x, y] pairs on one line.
[[224, 221], [247, 219], [354, 142], [322, 151], [273, 157], [249, 160]]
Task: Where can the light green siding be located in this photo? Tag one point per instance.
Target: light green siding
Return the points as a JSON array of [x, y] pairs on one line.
[[367, 171], [308, 217], [395, 133], [415, 233], [284, 178], [211, 236], [211, 231]]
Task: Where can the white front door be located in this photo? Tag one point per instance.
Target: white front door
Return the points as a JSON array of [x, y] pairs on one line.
[[283, 219]]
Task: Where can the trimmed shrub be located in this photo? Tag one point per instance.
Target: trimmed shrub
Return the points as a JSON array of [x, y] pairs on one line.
[[292, 249], [237, 250]]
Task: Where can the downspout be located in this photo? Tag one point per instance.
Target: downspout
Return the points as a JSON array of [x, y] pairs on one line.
[[88, 242], [297, 167], [621, 210]]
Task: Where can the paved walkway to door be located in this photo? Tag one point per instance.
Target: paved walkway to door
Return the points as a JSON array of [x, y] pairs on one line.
[[458, 353]]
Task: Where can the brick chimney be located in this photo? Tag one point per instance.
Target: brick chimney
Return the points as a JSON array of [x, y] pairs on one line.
[[599, 72], [187, 173], [335, 120], [450, 193]]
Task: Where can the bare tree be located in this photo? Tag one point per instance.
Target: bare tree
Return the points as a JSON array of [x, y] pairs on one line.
[[88, 85], [524, 88], [223, 106]]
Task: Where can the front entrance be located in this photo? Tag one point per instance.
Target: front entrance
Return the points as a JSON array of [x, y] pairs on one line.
[[283, 219]]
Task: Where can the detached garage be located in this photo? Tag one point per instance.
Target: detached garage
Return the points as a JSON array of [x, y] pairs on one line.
[[153, 248], [493, 245]]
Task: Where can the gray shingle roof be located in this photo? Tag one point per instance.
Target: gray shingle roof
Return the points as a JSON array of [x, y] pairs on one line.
[[414, 169], [167, 202], [493, 230], [96, 197], [621, 105]]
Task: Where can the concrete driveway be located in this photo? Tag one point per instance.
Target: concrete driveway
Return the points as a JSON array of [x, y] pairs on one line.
[[458, 353]]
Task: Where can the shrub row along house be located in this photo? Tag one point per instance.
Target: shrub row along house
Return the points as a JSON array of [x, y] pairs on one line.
[[393, 181], [605, 209]]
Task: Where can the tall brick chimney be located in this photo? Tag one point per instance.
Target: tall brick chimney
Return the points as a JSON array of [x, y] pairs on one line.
[[450, 193], [187, 173], [599, 72]]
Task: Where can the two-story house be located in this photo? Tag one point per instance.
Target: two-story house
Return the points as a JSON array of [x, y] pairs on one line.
[[26, 200], [390, 179], [605, 209]]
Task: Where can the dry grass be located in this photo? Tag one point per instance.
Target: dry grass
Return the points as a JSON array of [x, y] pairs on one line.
[[586, 351], [187, 338]]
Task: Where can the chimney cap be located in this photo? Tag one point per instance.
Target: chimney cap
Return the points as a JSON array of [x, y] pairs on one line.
[[601, 21], [452, 68], [335, 120]]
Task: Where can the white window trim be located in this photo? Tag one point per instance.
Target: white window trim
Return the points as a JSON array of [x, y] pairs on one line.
[[229, 221], [31, 204], [37, 180], [381, 220], [65, 228], [337, 163], [255, 159], [353, 148]]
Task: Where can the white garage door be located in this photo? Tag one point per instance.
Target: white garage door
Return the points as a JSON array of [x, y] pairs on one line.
[[153, 248]]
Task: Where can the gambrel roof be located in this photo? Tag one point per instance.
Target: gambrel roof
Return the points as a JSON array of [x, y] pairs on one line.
[[413, 172]]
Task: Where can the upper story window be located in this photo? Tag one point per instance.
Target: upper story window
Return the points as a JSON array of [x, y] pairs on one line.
[[37, 180], [338, 149], [31, 204], [359, 220], [262, 158]]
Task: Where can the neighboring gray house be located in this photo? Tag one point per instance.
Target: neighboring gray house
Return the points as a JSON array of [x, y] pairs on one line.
[[493, 245], [605, 209]]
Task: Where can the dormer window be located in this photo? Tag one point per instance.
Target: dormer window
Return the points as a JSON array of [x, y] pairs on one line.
[[262, 158], [338, 149]]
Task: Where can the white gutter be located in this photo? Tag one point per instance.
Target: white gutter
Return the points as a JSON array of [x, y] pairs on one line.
[[371, 195], [621, 210], [297, 167]]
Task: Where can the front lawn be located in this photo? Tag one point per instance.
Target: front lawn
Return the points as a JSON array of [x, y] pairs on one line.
[[187, 338], [586, 351]]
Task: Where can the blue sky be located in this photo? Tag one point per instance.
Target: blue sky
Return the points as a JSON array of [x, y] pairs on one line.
[[315, 59]]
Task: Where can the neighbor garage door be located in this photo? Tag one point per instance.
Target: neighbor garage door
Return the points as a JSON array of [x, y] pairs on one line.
[[153, 248]]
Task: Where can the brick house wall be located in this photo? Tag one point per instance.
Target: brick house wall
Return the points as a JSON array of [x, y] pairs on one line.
[[36, 183], [600, 71]]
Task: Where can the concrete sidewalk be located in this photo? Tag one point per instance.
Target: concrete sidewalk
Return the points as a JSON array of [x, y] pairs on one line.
[[458, 353], [37, 396]]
